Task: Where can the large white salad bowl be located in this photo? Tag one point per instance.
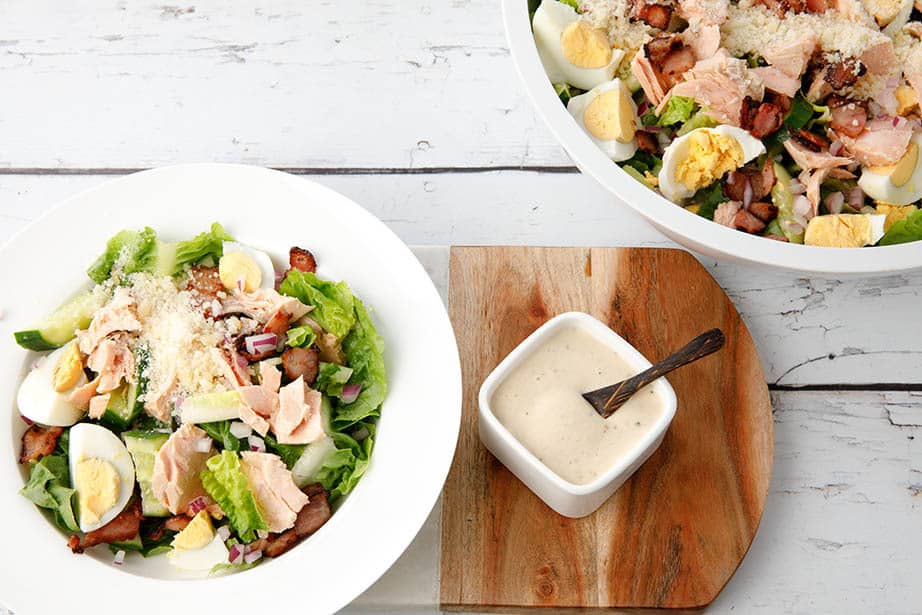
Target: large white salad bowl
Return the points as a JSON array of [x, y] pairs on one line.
[[684, 227], [45, 263]]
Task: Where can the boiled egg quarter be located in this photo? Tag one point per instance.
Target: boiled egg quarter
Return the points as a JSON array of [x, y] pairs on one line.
[[701, 157], [845, 230], [609, 116], [101, 472], [898, 184], [44, 394], [571, 50], [245, 268]]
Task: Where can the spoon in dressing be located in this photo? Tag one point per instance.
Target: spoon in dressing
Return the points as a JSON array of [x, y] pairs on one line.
[[608, 399]]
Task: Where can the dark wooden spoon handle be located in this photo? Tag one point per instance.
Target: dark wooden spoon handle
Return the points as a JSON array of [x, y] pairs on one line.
[[608, 399]]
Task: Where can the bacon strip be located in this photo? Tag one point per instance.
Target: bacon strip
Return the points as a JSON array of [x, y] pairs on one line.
[[39, 441], [122, 528], [302, 260], [301, 362]]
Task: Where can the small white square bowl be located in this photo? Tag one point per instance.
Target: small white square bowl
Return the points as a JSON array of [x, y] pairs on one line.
[[566, 498]]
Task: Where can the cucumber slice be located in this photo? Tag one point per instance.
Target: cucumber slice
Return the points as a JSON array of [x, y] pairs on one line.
[[212, 407], [134, 544], [127, 401], [62, 325], [305, 469], [143, 446]]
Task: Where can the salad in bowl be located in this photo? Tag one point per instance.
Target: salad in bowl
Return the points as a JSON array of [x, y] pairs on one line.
[[793, 120], [197, 404]]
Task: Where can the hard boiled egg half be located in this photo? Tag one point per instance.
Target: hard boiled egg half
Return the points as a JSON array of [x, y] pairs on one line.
[[845, 230], [44, 395], [571, 50], [244, 268], [701, 157], [102, 474], [198, 547], [898, 184], [609, 116]]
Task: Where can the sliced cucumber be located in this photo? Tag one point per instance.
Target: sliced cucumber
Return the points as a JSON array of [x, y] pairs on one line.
[[62, 325], [212, 407], [143, 446], [304, 471], [127, 402]]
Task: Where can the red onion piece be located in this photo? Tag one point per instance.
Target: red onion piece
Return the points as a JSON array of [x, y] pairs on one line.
[[203, 446], [235, 554], [252, 556], [796, 187], [351, 393], [257, 444], [835, 148], [834, 202], [240, 430], [255, 344], [651, 128], [855, 197], [747, 193], [198, 504], [27, 421], [223, 533], [261, 534], [119, 558]]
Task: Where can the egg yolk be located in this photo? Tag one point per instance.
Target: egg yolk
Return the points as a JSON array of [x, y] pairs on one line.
[[68, 370], [197, 534], [239, 272], [839, 231], [894, 213], [610, 117], [97, 483], [584, 46], [906, 100], [710, 155]]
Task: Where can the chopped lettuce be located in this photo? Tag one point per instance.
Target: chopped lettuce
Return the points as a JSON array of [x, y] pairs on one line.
[[220, 431], [225, 482], [905, 230], [699, 120], [707, 199], [332, 301], [301, 337], [207, 246], [128, 252], [341, 472], [288, 452], [49, 487], [331, 378], [364, 350], [678, 110], [800, 113]]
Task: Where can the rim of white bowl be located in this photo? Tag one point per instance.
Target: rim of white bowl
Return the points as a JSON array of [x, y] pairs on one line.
[[689, 229]]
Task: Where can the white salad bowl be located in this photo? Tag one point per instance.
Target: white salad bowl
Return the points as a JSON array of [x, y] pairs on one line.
[[684, 227], [568, 499], [45, 263]]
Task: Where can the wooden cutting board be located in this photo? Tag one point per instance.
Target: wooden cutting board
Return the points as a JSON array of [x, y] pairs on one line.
[[674, 534]]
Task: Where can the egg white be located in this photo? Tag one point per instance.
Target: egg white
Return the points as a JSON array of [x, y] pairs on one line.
[[39, 402], [88, 441], [677, 151], [880, 188], [550, 20], [614, 149], [262, 260], [199, 560]]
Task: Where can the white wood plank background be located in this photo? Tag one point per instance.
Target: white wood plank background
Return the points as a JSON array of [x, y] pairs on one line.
[[414, 110]]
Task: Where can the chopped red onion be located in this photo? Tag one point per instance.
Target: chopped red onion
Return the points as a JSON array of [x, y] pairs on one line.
[[643, 108], [747, 193], [223, 533], [262, 534], [351, 393], [261, 342], [235, 554], [198, 504], [240, 283], [252, 556], [203, 446], [835, 148], [257, 444], [240, 430], [796, 187], [119, 558], [856, 197], [651, 128], [834, 202], [27, 421]]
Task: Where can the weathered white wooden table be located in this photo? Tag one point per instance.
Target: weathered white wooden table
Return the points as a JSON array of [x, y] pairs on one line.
[[413, 110]]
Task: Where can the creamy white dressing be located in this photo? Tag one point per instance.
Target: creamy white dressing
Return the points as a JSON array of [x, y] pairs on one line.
[[540, 403]]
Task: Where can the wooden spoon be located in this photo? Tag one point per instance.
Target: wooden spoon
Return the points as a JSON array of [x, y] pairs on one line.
[[608, 399]]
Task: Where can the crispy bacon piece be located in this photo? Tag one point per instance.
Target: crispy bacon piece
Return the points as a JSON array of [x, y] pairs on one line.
[[816, 6], [759, 181], [177, 523], [205, 281], [647, 142], [661, 46], [762, 210], [277, 544], [317, 512], [670, 58], [299, 362], [811, 140], [763, 180], [653, 14], [124, 527], [745, 221], [734, 186], [841, 73], [760, 119], [39, 441], [302, 260]]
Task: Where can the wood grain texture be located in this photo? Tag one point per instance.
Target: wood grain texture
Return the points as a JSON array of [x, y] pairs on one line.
[[674, 534]]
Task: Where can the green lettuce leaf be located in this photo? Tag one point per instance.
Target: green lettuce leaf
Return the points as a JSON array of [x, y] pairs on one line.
[[129, 252], [708, 199], [679, 109], [342, 470], [905, 230], [288, 452], [220, 431], [364, 350], [699, 120], [332, 301], [224, 480], [301, 337], [49, 487], [207, 246], [331, 378]]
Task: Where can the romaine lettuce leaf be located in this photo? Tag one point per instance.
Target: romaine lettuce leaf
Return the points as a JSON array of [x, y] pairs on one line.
[[301, 337], [207, 245], [364, 350], [332, 301], [128, 251], [341, 472], [905, 230], [220, 431], [49, 487], [225, 481], [331, 378], [678, 109], [288, 452]]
